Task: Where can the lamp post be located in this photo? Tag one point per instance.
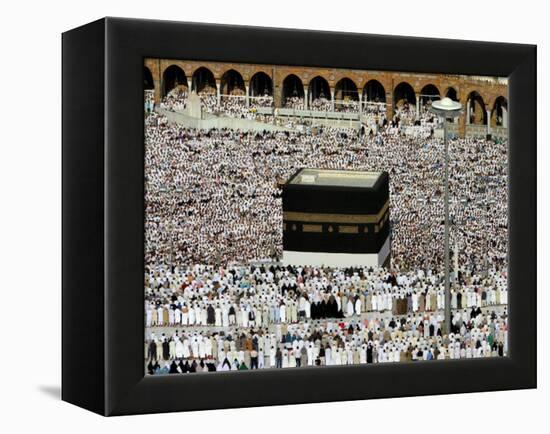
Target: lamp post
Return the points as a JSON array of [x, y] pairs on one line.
[[446, 108]]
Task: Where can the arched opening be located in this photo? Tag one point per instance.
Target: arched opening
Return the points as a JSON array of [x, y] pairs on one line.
[[261, 85], [148, 82], [451, 93], [475, 109], [499, 114], [203, 81], [374, 98], [172, 78], [346, 95], [404, 98], [261, 90], [232, 83], [428, 94], [293, 92], [374, 92], [319, 94]]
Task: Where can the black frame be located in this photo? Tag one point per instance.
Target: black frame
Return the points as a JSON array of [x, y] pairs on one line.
[[103, 214]]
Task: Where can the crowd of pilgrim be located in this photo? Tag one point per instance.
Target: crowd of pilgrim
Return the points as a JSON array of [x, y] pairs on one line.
[[213, 213]]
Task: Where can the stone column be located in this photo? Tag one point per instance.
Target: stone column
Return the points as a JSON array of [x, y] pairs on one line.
[[277, 96], [360, 106], [417, 105], [488, 121], [389, 106], [332, 99], [462, 125], [158, 85], [218, 92], [468, 113], [306, 99], [247, 96], [504, 117]]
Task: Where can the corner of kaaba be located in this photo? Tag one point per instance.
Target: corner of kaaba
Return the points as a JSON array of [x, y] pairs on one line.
[[336, 218]]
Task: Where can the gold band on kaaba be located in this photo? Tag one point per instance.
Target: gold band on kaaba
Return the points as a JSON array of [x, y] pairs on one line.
[[307, 217]]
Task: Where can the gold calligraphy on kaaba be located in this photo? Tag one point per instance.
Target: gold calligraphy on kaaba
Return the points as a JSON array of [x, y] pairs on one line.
[[340, 223], [312, 228], [344, 229], [308, 217]]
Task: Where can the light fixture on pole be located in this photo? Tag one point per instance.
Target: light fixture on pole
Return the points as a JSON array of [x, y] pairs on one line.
[[447, 109]]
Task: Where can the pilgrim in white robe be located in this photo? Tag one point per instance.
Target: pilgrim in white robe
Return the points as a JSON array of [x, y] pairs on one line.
[[272, 353], [171, 316], [217, 317], [225, 316], [282, 313], [179, 348], [186, 350], [358, 304], [160, 316], [149, 317]]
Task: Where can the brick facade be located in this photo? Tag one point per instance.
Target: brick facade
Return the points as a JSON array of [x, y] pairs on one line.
[[489, 89]]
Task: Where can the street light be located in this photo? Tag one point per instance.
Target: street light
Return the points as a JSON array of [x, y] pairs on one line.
[[446, 108]]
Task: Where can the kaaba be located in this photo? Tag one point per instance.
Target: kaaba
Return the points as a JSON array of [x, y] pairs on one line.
[[336, 218]]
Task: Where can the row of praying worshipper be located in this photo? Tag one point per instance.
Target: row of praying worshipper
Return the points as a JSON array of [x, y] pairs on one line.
[[336, 343], [249, 295]]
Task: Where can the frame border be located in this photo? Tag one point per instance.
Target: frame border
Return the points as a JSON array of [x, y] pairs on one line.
[[127, 43]]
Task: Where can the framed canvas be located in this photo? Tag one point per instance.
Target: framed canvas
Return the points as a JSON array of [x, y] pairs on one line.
[[257, 216]]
